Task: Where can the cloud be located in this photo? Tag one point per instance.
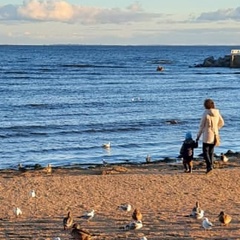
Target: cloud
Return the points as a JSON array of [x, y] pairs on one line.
[[221, 15], [61, 11]]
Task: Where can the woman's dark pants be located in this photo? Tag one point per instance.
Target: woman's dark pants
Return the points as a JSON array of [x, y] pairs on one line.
[[208, 155]]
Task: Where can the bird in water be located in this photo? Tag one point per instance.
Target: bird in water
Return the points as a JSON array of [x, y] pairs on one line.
[[106, 145], [225, 219], [68, 221]]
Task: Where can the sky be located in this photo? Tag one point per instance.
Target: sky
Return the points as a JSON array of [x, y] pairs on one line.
[[120, 22]]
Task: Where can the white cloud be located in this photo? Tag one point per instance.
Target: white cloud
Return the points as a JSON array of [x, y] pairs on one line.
[[61, 11]]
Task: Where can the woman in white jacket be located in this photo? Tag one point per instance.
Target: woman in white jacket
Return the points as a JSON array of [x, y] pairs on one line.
[[210, 124]]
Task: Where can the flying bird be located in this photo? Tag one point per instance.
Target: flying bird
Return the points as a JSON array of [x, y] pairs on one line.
[[68, 221], [225, 219], [197, 212], [125, 207], [206, 224], [137, 215]]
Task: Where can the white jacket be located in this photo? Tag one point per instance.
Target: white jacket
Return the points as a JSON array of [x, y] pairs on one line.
[[211, 122]]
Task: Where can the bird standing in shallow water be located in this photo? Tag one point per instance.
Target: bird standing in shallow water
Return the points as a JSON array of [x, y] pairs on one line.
[[137, 215], [225, 219], [68, 221]]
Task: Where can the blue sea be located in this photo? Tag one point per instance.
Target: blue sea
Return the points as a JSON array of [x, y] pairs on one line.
[[60, 103]]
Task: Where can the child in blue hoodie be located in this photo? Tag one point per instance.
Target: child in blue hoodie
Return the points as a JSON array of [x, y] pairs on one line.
[[187, 152]]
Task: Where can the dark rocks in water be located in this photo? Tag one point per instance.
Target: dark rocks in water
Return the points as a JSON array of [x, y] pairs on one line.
[[212, 62]]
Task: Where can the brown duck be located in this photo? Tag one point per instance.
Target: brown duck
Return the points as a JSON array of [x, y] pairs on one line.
[[225, 219], [80, 234], [137, 215], [68, 221]]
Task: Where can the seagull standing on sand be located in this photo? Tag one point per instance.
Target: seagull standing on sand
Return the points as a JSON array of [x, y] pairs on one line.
[[225, 219], [206, 224], [125, 207], [32, 194], [197, 212], [134, 225], [88, 215], [68, 221], [223, 158], [137, 215], [17, 211], [143, 238]]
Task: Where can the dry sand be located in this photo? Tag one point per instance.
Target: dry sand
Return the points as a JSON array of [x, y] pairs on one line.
[[163, 192]]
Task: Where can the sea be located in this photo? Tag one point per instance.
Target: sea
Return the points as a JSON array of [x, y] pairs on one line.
[[60, 103]]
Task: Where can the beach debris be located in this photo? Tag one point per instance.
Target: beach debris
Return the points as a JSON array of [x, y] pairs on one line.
[[88, 215], [106, 145], [223, 157], [114, 170], [17, 211], [137, 215], [134, 225], [197, 212], [79, 233], [32, 194], [148, 159], [225, 219], [68, 221], [206, 224], [125, 207]]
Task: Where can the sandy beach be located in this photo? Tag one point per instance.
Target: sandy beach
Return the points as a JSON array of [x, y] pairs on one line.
[[163, 193]]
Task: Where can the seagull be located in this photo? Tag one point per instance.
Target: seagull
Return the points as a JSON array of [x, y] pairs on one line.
[[32, 194], [105, 163], [148, 159], [106, 145], [57, 238], [88, 215], [17, 211], [197, 212], [134, 225], [68, 221], [206, 224], [137, 215], [225, 219], [125, 207], [80, 234], [143, 238], [223, 158], [21, 168]]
